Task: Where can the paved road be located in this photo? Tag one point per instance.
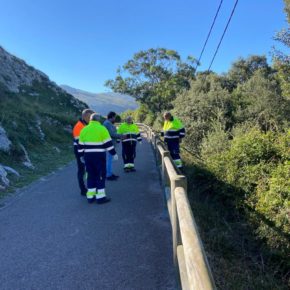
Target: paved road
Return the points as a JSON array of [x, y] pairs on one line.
[[50, 238]]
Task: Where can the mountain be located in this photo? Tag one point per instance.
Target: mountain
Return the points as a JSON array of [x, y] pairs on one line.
[[36, 118], [103, 102]]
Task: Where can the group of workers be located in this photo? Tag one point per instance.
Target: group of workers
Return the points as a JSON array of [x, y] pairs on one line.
[[95, 145]]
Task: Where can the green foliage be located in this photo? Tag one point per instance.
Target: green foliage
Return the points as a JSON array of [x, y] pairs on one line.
[[142, 115], [237, 259], [155, 77], [273, 203], [281, 59], [255, 167], [287, 9], [260, 99], [205, 105], [283, 75], [243, 69]]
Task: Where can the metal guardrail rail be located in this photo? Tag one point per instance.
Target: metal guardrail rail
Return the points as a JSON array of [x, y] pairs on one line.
[[190, 261]]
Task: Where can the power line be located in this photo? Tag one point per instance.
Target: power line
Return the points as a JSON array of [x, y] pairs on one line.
[[233, 11], [208, 35]]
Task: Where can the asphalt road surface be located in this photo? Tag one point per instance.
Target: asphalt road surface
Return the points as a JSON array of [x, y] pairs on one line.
[[51, 238]]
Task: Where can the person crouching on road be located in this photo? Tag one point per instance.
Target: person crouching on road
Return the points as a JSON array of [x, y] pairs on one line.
[[83, 121], [94, 142], [173, 132], [130, 135], [109, 124]]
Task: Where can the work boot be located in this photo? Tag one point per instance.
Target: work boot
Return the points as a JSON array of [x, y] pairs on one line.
[[90, 200], [127, 169], [133, 169], [103, 200], [116, 176]]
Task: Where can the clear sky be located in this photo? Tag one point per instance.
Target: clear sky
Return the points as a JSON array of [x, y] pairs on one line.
[[82, 42]]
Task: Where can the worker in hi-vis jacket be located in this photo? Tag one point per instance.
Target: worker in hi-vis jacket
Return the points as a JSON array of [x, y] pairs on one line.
[[130, 135], [82, 122], [94, 142], [173, 132]]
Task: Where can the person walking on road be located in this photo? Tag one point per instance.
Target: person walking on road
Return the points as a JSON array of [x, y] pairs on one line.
[[173, 132], [94, 142], [83, 121], [109, 124], [130, 135]]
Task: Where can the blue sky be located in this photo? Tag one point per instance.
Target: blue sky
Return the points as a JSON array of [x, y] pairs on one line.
[[82, 42]]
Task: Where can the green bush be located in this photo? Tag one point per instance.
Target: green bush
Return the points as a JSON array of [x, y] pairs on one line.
[[273, 203], [254, 167]]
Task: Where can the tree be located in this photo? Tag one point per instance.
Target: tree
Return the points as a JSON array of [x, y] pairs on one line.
[[243, 69], [204, 107], [154, 77], [281, 59], [260, 100], [287, 9]]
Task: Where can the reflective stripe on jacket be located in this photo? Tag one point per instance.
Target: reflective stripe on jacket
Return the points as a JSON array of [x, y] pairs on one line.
[[95, 138], [173, 129], [130, 132]]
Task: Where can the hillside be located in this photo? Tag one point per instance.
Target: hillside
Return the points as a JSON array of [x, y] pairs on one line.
[[103, 102], [35, 124]]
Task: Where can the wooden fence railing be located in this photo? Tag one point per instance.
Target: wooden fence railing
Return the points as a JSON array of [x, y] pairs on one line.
[[190, 261]]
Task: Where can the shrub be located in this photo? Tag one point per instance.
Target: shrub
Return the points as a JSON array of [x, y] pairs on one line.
[[255, 170]]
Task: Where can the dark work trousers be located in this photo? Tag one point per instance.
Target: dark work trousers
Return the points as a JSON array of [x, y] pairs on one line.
[[129, 152], [81, 170], [173, 148], [96, 169]]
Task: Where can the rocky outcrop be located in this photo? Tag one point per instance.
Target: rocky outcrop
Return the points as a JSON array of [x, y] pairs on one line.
[[3, 177], [4, 181], [40, 132], [14, 72], [5, 143], [11, 170], [27, 162]]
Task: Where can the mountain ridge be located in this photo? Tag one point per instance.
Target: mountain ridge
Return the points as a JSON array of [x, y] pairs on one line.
[[103, 102]]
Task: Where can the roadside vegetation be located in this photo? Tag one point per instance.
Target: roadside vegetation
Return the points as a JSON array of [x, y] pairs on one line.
[[38, 122], [238, 168]]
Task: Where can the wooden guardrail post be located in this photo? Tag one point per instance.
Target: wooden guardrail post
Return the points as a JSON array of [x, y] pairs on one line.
[[190, 261], [150, 134], [199, 275], [163, 169], [182, 268], [178, 181]]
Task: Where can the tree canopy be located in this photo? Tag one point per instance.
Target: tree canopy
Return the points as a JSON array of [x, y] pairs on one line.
[[154, 77]]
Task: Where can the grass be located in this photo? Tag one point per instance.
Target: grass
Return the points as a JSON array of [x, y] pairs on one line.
[[45, 160], [238, 260], [21, 115]]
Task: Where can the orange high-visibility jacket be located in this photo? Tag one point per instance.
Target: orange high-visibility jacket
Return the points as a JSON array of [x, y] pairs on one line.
[[77, 131]]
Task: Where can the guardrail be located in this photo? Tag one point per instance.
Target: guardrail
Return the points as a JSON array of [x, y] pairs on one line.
[[190, 261]]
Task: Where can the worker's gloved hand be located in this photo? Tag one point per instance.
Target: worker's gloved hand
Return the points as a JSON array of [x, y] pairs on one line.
[[116, 157], [140, 142], [82, 159]]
